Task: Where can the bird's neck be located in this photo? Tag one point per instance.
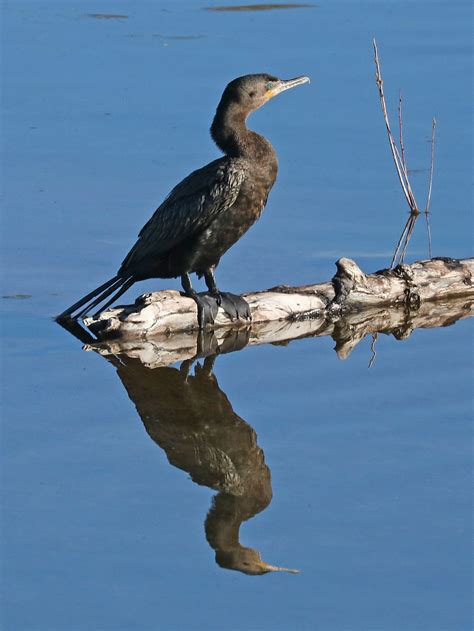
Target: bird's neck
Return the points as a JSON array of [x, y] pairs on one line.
[[230, 133]]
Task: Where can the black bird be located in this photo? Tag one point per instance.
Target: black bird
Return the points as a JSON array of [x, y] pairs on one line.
[[206, 213]]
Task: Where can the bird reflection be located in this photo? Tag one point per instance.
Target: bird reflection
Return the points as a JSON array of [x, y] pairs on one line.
[[192, 420]]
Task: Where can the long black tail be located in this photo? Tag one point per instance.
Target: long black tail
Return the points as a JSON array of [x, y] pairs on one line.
[[117, 284]]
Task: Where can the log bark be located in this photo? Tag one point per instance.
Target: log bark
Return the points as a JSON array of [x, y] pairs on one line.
[[407, 287]]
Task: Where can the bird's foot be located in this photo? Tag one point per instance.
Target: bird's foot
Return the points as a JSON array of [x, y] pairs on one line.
[[234, 305], [207, 307]]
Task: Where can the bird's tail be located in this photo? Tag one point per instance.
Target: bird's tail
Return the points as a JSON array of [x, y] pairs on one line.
[[116, 286]]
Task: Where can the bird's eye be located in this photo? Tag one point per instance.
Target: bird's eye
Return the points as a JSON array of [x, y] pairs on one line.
[[270, 85]]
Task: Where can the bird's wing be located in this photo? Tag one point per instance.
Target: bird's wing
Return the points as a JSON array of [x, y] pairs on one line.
[[188, 209]]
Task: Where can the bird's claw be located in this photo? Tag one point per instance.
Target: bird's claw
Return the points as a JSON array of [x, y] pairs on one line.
[[207, 308], [235, 306], [208, 305]]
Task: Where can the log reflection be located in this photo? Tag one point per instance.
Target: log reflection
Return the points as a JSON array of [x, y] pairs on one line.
[[347, 332], [192, 420]]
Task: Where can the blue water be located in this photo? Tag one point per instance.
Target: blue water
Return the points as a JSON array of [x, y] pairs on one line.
[[370, 469]]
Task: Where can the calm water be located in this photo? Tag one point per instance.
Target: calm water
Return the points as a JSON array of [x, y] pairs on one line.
[[359, 478]]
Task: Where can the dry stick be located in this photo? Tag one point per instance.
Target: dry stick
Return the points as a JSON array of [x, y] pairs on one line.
[[400, 166], [428, 201], [411, 227], [411, 221], [395, 154], [400, 126]]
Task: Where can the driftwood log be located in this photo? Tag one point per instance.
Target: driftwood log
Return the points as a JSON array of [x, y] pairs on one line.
[[351, 291]]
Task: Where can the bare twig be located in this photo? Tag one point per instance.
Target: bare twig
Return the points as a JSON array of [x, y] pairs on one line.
[[404, 239], [411, 226], [399, 159], [399, 244], [400, 126], [393, 147], [430, 186]]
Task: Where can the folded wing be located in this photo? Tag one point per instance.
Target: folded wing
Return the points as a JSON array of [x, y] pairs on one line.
[[189, 208]]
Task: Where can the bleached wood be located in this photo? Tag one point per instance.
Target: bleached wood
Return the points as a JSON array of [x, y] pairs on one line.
[[349, 291]]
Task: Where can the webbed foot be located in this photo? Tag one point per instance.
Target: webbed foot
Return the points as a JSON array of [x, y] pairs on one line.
[[207, 307], [234, 305]]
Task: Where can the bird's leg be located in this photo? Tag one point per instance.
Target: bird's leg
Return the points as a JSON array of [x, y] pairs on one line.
[[206, 306], [233, 304], [211, 283]]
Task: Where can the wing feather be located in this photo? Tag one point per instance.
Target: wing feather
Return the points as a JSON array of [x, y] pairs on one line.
[[188, 209]]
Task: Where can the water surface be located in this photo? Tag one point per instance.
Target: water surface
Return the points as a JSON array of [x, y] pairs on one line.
[[358, 477]]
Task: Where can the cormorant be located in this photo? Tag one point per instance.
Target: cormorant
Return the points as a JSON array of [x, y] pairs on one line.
[[206, 213]]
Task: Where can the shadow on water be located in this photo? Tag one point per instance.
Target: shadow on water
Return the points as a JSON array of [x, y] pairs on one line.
[[193, 421]]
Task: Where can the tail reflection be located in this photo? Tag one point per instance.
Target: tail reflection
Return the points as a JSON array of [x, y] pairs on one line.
[[193, 421]]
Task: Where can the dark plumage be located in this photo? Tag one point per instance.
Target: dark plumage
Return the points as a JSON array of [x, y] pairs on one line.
[[206, 213]]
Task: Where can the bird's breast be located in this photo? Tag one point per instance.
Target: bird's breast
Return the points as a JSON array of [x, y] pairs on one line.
[[232, 223]]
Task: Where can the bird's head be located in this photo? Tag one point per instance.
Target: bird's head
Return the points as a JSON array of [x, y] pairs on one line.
[[254, 90]]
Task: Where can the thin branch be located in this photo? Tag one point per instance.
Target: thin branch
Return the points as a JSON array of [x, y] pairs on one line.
[[400, 126], [428, 200], [402, 169], [402, 175], [430, 242], [401, 250], [400, 241], [411, 226], [433, 134], [395, 154]]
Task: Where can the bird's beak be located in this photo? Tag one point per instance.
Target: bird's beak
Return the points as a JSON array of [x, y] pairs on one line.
[[283, 85], [273, 568]]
